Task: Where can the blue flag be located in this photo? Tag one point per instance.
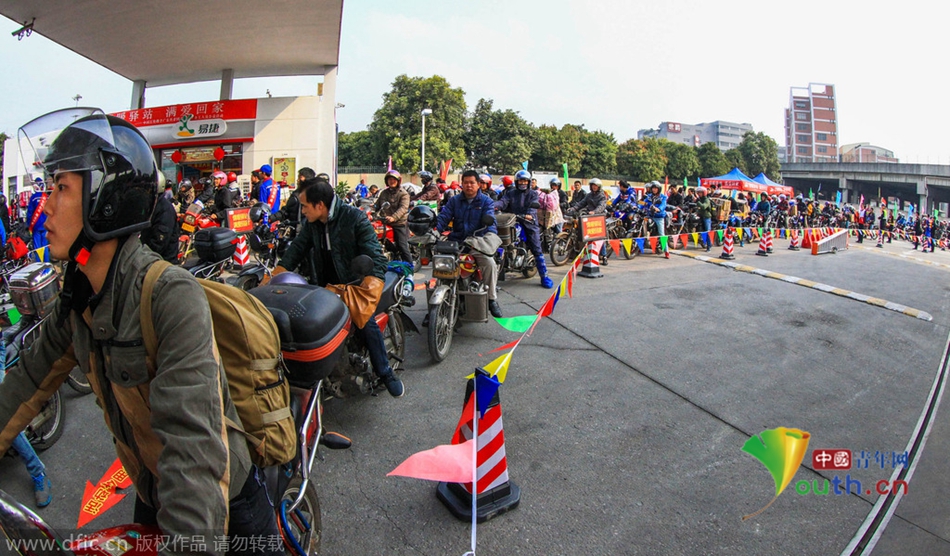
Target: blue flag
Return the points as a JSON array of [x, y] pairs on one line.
[[524, 164], [485, 388]]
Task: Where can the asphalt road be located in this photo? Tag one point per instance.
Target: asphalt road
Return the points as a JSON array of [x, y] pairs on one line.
[[625, 414]]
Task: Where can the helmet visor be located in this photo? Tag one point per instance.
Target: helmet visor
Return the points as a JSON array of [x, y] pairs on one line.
[[47, 147]]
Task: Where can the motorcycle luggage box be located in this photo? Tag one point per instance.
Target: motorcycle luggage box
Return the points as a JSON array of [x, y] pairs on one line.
[[505, 221], [34, 288], [313, 324], [215, 244]]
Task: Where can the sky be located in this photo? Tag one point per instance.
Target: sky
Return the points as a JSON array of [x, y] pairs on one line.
[[611, 65]]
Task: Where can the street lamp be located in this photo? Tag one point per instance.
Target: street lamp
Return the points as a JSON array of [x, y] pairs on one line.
[[425, 112]]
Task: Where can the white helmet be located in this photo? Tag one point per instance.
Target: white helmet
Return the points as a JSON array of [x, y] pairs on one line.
[[596, 182]]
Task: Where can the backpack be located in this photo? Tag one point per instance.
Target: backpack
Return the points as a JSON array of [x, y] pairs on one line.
[[247, 340]]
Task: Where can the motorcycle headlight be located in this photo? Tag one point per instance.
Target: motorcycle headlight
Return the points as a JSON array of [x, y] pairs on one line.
[[444, 266]]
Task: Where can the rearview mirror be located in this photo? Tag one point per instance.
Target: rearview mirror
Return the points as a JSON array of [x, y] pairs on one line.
[[362, 265]]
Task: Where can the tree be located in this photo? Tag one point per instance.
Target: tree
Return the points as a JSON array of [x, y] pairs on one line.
[[497, 140], [760, 153], [682, 161], [356, 149], [711, 160], [600, 156], [396, 129], [643, 160], [554, 147], [734, 160]]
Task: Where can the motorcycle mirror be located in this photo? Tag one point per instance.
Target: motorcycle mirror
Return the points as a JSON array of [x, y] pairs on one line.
[[362, 265], [488, 220], [535, 205]]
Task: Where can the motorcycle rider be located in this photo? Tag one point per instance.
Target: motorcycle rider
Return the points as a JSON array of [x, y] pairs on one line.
[[162, 236], [35, 219], [270, 191], [396, 213], [465, 213], [519, 200], [656, 204], [484, 184], [337, 233], [577, 193], [704, 211], [186, 195], [225, 195], [191, 472], [430, 191], [594, 202]]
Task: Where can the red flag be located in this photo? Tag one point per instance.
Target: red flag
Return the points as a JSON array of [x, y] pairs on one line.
[[444, 173], [570, 283], [683, 239], [653, 244], [507, 346], [615, 245], [389, 166], [97, 499], [467, 413], [452, 463]]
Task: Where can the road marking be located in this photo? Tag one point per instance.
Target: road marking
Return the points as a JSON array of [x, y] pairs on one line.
[[904, 256], [882, 303]]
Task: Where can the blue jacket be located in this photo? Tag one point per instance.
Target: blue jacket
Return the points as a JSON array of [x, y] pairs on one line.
[[519, 202], [31, 209], [266, 187], [466, 216], [658, 201]]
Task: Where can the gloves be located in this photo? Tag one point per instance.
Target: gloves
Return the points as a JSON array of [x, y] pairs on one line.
[[277, 270]]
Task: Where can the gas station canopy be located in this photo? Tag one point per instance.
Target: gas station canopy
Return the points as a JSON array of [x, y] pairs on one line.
[[166, 42]]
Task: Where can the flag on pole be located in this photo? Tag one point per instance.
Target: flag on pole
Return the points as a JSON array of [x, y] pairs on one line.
[[564, 165], [838, 198], [524, 165], [811, 194], [389, 166]]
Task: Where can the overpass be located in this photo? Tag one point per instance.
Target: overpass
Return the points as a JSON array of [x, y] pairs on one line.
[[924, 185]]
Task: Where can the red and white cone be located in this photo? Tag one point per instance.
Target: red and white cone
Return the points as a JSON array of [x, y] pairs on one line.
[[728, 246], [495, 493], [591, 268], [242, 255], [763, 245], [880, 238], [793, 246], [768, 241]]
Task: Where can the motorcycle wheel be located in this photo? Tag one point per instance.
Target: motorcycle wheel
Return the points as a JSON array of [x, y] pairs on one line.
[[440, 331], [248, 282], [395, 339], [560, 251], [46, 428], [78, 381], [532, 267], [295, 525]]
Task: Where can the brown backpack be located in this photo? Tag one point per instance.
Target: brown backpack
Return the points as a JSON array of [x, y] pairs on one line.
[[249, 345]]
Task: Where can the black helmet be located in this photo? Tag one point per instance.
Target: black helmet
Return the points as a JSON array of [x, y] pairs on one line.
[[426, 177], [120, 178], [421, 219], [185, 185], [257, 212]]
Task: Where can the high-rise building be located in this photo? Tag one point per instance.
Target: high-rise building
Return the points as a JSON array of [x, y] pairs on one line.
[[726, 135], [811, 124]]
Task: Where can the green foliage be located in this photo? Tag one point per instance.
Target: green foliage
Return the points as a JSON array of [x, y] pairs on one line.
[[600, 156], [497, 140], [734, 160], [356, 149], [397, 126], [643, 160], [341, 189], [760, 153], [682, 161], [712, 161], [554, 147]]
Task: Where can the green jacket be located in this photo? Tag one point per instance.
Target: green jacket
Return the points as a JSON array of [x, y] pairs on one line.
[[704, 207], [169, 427], [347, 234]]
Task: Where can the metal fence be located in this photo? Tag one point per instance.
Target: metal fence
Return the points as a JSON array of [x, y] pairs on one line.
[[361, 170]]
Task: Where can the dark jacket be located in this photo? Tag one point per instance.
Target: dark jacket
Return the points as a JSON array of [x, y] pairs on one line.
[[704, 207], [224, 198], [168, 426], [347, 234], [466, 216], [594, 202], [162, 236], [517, 201], [429, 193], [577, 196], [398, 207]]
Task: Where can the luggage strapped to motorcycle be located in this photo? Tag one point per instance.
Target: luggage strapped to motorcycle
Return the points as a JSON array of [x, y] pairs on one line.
[[247, 340]]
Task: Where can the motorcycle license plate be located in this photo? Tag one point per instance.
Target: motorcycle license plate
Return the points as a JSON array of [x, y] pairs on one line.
[[188, 227]]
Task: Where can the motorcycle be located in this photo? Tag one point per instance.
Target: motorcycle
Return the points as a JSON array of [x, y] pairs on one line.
[[215, 247], [267, 242], [456, 292], [568, 243], [195, 218], [514, 254]]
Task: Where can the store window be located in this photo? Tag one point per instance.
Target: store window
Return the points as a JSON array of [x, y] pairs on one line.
[[199, 162]]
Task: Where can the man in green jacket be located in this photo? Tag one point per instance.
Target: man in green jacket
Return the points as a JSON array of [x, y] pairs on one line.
[[193, 474], [704, 211], [338, 233]]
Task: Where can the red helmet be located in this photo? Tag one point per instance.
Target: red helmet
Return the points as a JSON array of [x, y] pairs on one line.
[[506, 181], [232, 177]]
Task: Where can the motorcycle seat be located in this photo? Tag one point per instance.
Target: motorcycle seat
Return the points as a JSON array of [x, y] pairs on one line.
[[388, 298]]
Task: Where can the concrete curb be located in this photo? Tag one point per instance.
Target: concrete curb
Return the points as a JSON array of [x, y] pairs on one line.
[[884, 304]]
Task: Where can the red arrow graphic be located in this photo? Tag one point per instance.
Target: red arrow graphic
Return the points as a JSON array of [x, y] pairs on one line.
[[97, 499]]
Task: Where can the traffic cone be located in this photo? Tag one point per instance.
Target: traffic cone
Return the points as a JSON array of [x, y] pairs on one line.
[[763, 245], [768, 241], [880, 238], [727, 246], [591, 268], [495, 494], [241, 255], [793, 246]]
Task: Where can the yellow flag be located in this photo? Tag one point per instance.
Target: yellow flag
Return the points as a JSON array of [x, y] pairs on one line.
[[739, 231], [695, 238], [499, 367], [627, 244]]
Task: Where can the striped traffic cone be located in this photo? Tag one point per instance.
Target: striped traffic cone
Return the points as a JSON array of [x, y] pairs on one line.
[[763, 245], [880, 238], [768, 241], [727, 246], [591, 268], [495, 493], [241, 255], [793, 246]]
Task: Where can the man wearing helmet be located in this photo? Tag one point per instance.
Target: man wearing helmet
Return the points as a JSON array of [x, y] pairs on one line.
[[523, 201], [186, 195], [466, 213], [392, 207], [226, 195], [35, 219], [191, 471], [656, 205], [484, 186], [594, 202], [429, 192]]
